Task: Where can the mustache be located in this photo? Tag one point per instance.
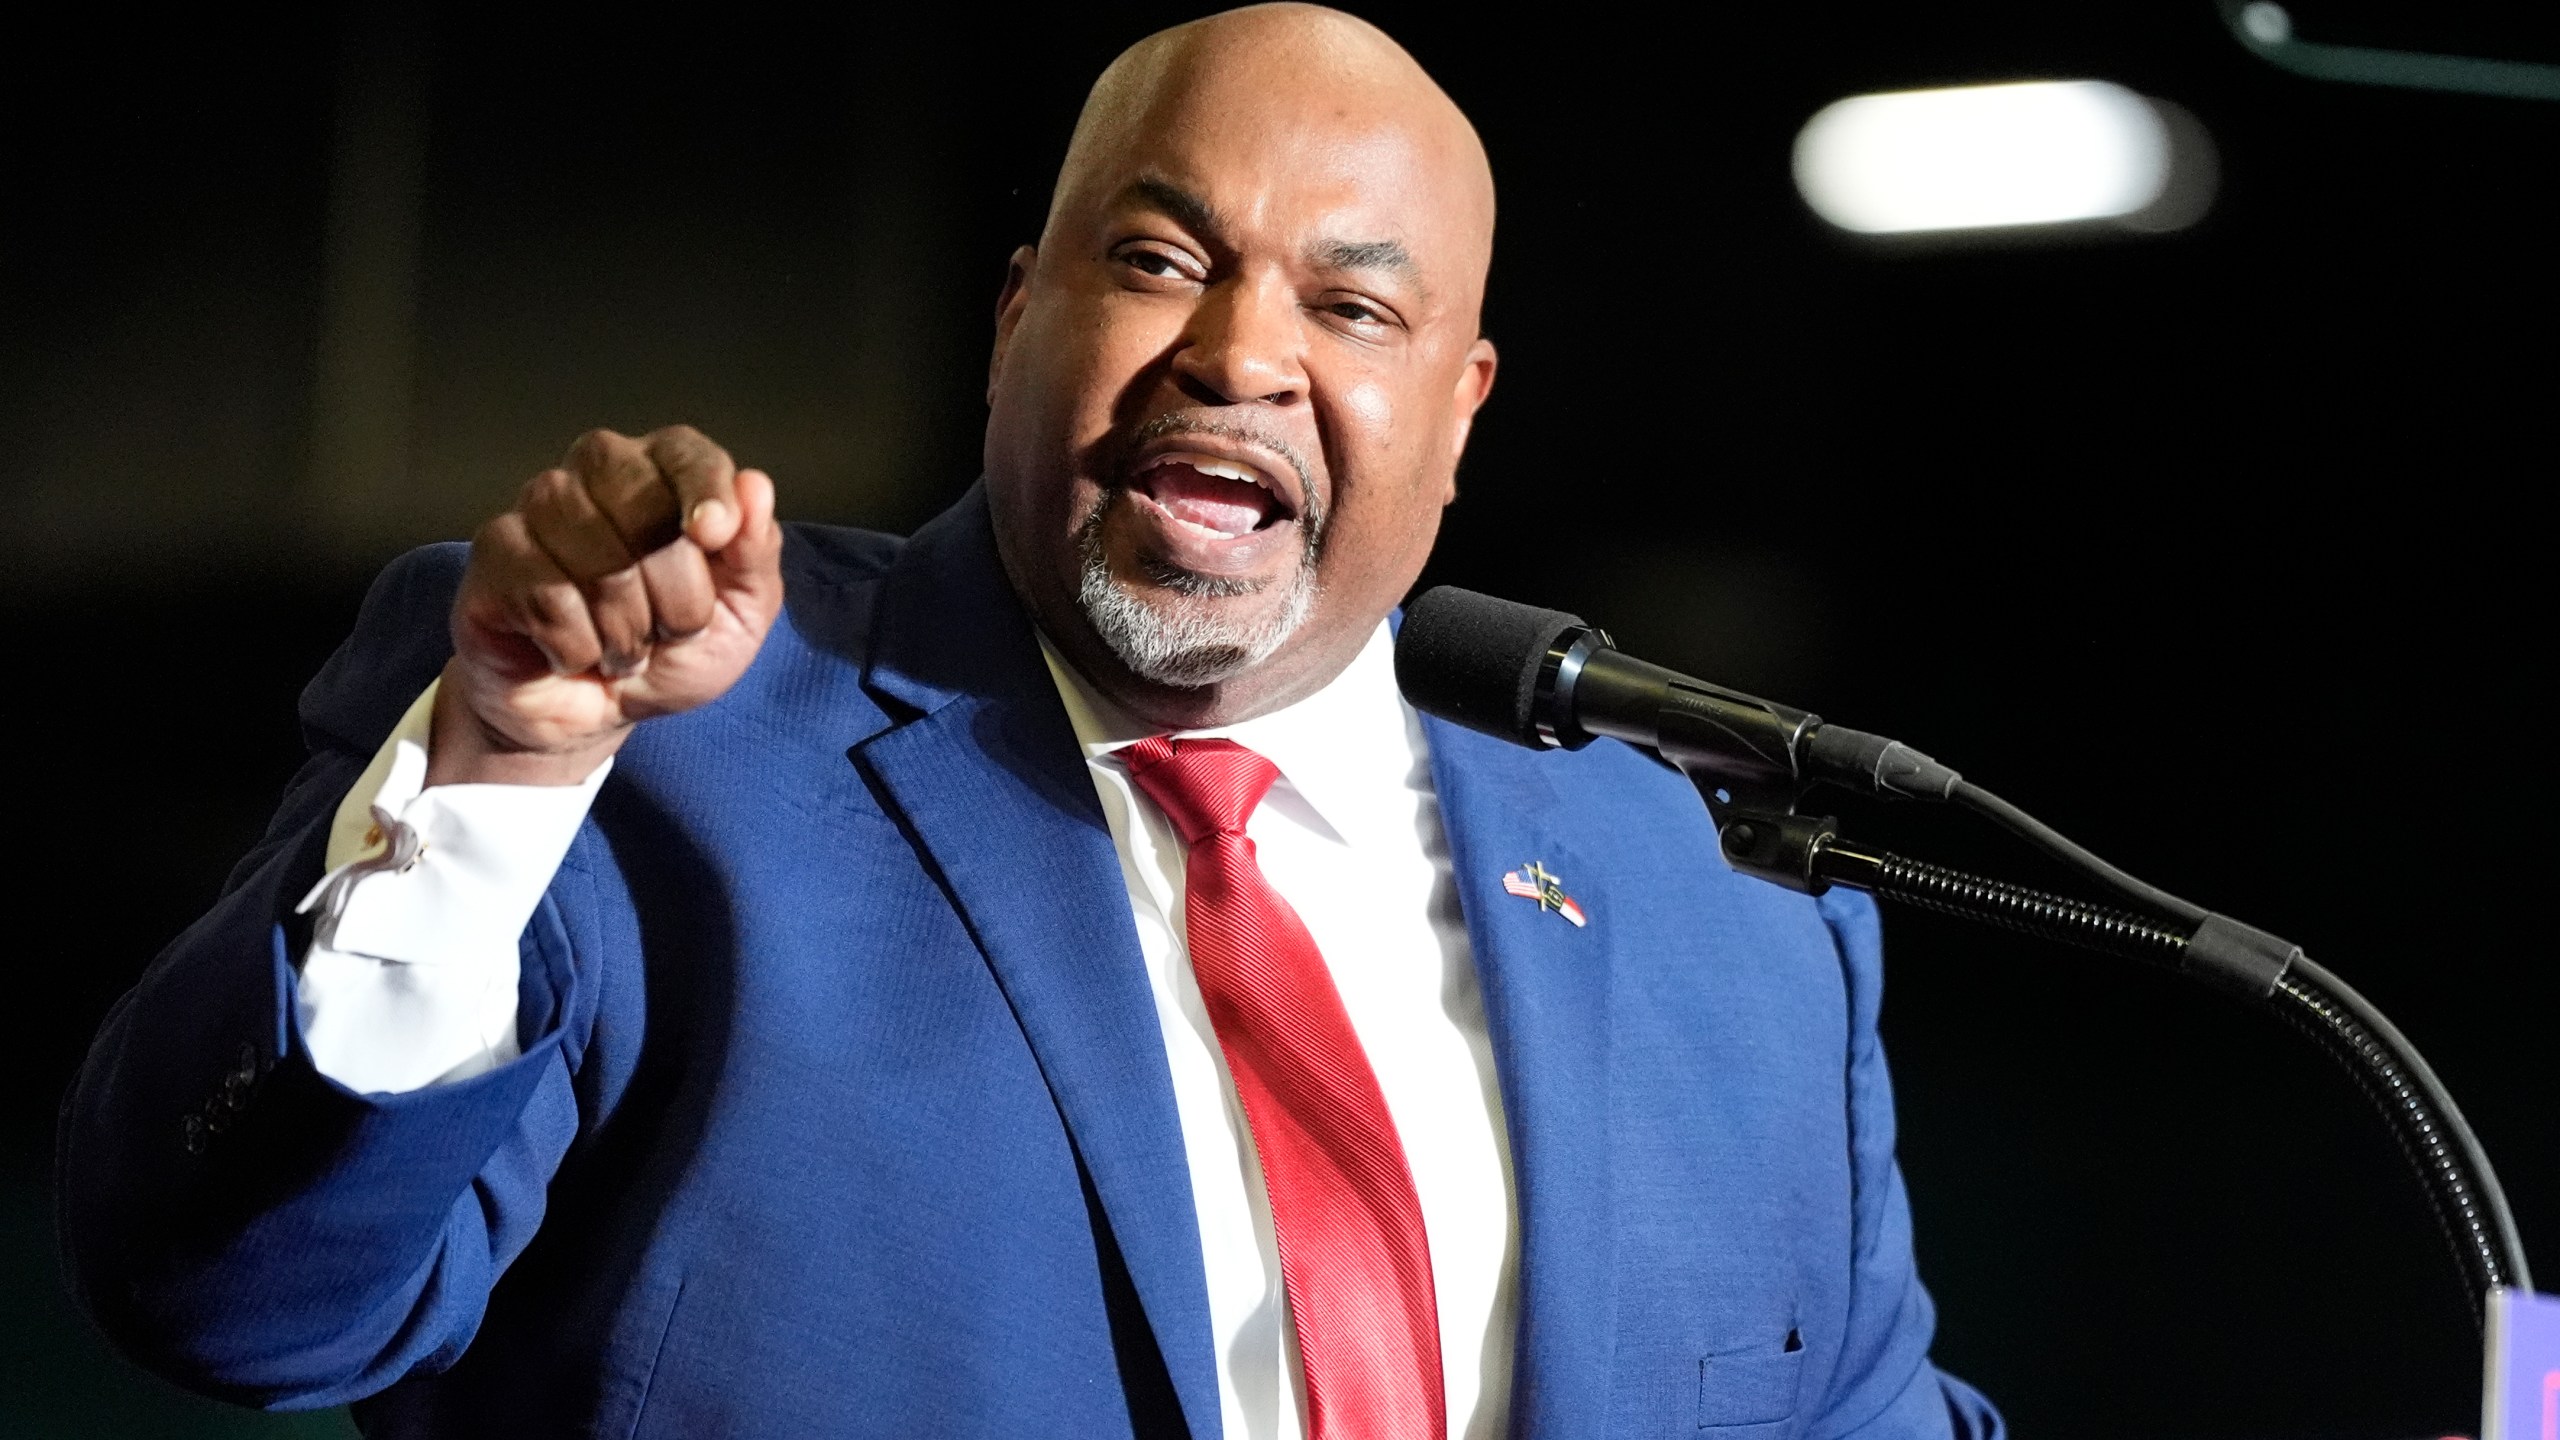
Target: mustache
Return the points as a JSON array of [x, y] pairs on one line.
[[1114, 475]]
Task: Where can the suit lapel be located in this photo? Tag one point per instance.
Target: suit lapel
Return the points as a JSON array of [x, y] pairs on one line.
[[989, 776], [1547, 990]]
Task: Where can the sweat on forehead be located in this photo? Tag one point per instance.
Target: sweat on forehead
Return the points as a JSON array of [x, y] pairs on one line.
[[1278, 64]]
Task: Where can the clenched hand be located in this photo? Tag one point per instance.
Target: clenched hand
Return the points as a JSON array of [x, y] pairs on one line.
[[636, 579]]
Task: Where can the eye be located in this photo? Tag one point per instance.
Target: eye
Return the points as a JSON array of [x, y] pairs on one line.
[[1158, 261], [1358, 315]]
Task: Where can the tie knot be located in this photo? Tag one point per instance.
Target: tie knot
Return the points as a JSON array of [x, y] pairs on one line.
[[1205, 787]]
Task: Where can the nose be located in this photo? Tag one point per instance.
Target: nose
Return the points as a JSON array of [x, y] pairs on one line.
[[1245, 344]]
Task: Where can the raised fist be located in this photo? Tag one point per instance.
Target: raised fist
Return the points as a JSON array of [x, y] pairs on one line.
[[636, 579]]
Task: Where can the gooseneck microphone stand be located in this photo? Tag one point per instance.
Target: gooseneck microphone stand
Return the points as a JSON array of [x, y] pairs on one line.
[[1548, 680], [2462, 1190]]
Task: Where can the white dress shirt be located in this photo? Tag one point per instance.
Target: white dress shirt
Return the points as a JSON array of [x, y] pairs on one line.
[[411, 981]]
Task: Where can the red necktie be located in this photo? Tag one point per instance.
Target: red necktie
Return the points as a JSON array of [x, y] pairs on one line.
[[1352, 1252]]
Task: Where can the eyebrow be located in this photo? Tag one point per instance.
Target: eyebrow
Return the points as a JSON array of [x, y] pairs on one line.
[[1197, 214], [1187, 209], [1387, 255]]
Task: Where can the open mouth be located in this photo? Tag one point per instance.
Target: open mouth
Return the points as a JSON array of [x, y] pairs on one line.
[[1218, 499]]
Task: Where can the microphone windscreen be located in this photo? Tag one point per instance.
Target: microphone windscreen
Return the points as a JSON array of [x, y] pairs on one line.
[[1473, 660]]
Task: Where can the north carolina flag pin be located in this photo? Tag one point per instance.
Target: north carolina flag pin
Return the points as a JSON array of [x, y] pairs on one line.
[[1532, 882]]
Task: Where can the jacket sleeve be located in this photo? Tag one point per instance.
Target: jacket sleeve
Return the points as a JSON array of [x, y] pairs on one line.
[[1886, 1388], [241, 1224]]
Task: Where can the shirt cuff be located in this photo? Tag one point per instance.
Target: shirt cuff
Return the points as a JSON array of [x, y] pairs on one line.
[[411, 976], [439, 876]]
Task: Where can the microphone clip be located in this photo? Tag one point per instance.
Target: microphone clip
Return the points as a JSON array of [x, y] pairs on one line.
[[1781, 848]]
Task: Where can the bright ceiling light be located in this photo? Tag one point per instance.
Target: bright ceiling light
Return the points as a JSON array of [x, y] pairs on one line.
[[1983, 156]]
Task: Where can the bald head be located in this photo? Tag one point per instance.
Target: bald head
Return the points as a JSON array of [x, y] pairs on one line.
[[1231, 384], [1286, 66]]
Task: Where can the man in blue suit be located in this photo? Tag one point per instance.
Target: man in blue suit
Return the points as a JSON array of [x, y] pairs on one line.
[[718, 978]]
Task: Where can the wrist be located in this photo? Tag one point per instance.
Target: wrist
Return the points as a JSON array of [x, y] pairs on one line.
[[465, 749]]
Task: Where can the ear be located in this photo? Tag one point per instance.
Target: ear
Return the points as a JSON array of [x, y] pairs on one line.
[[1475, 386], [1009, 302]]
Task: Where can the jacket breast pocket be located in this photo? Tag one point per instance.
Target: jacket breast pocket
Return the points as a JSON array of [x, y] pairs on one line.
[[1750, 1385]]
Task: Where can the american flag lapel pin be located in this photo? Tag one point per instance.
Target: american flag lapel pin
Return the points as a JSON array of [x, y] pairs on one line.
[[1533, 882]]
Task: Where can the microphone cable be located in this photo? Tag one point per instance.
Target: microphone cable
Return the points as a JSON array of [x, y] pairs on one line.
[[2054, 843]]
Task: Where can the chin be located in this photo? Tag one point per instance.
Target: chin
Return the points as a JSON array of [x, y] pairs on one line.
[[1196, 631]]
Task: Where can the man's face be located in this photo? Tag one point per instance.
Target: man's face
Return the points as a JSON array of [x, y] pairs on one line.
[[1230, 390]]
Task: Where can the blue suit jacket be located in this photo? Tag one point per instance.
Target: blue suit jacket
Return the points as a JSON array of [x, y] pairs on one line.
[[843, 1108]]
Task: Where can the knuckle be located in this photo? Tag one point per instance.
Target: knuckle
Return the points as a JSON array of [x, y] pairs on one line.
[[686, 454], [549, 488], [547, 504], [500, 549], [594, 449]]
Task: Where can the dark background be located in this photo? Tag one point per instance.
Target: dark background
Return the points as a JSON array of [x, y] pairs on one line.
[[2215, 549]]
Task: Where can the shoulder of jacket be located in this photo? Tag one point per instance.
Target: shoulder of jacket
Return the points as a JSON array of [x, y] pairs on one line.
[[836, 554]]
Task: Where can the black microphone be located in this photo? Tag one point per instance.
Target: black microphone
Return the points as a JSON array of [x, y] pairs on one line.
[[1545, 679]]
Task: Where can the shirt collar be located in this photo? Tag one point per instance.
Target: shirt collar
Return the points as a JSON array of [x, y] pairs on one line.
[[1349, 750]]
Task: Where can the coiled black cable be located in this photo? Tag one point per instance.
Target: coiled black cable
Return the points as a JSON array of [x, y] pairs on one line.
[[2012, 907], [2462, 1191]]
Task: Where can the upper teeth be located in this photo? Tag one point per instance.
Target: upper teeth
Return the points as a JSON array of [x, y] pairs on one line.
[[1219, 468]]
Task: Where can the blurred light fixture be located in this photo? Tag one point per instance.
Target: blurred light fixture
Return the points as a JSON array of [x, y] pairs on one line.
[[1986, 157]]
